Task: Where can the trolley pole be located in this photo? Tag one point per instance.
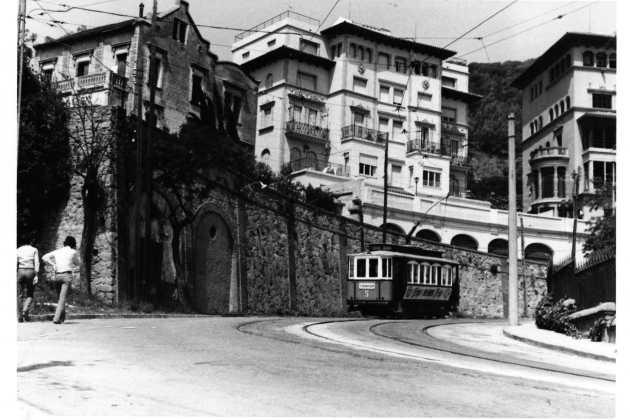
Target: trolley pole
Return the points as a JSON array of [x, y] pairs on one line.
[[512, 235]]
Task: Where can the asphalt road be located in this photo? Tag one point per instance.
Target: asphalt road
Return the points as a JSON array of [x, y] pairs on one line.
[[290, 367]]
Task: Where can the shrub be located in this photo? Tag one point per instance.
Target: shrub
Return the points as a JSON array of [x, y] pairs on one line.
[[555, 317], [597, 331]]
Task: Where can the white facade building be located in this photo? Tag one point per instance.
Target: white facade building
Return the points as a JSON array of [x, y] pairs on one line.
[[332, 102]]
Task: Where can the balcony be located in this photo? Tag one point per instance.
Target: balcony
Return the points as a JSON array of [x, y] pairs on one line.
[[320, 166], [459, 157], [93, 82], [359, 132], [549, 152], [307, 131]]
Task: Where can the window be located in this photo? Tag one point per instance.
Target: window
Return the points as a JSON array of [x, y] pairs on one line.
[[361, 53], [353, 51], [269, 81], [386, 267], [601, 59], [587, 58], [295, 154], [454, 145], [179, 30], [312, 117], [121, 65], [383, 61], [398, 96], [401, 65], [237, 103], [265, 155], [245, 56], [411, 180], [612, 61], [602, 101], [367, 267], [297, 113], [339, 49], [397, 128], [531, 129], [271, 44], [395, 176], [424, 100], [540, 122], [384, 94], [266, 117], [307, 81], [367, 165], [568, 61], [333, 51], [447, 275], [562, 107], [449, 115], [83, 68], [383, 125], [310, 161], [603, 173], [453, 187], [309, 47], [414, 272], [425, 273], [157, 73], [425, 69], [48, 74], [547, 182], [535, 125], [368, 55], [551, 115], [568, 100], [448, 81], [555, 108], [197, 90], [436, 273], [431, 179], [562, 189], [559, 139], [359, 85], [358, 118]]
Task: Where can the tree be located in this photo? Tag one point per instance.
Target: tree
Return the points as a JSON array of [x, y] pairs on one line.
[[93, 139], [602, 230], [43, 152]]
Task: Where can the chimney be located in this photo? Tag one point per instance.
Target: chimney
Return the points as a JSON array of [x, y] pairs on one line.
[[141, 10], [81, 28]]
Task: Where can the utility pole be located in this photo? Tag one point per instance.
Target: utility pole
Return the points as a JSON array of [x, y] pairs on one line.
[[22, 33], [512, 261], [576, 186], [138, 262], [523, 268], [385, 190], [153, 73]]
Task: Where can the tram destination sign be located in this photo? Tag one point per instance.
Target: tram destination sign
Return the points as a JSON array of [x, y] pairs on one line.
[[430, 293], [367, 286]]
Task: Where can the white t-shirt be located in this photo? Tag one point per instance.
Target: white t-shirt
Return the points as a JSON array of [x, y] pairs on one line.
[[64, 258], [27, 257]]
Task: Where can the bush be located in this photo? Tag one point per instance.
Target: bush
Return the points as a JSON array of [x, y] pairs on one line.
[[555, 317], [597, 331]]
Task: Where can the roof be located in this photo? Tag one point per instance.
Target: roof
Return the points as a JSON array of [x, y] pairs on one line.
[[93, 31], [348, 27], [599, 115], [233, 64], [466, 97], [557, 50], [401, 254], [283, 52]]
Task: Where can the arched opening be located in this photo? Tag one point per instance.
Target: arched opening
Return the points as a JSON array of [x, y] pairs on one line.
[[265, 156], [568, 100], [464, 241], [562, 107], [540, 122], [390, 227], [353, 51], [296, 155], [587, 59], [269, 81], [601, 59], [531, 129], [428, 235], [538, 251], [498, 246], [551, 115], [453, 187], [214, 265]]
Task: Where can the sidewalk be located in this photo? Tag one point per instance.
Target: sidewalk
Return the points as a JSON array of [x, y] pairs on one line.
[[530, 334]]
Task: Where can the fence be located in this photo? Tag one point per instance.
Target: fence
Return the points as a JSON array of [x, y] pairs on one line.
[[590, 283]]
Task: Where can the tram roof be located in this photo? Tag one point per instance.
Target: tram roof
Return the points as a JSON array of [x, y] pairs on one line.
[[403, 255]]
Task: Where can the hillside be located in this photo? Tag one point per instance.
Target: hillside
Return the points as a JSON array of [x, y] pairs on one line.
[[488, 120]]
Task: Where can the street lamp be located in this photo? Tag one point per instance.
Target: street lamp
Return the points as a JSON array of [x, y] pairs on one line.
[[416, 179], [262, 184]]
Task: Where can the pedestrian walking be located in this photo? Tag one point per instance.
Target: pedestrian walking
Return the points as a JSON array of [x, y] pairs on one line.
[[62, 261], [27, 269]]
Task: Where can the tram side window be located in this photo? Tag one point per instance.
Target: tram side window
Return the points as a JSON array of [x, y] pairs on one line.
[[413, 272], [436, 273], [350, 268], [387, 267], [373, 267], [447, 275], [425, 273], [361, 268]]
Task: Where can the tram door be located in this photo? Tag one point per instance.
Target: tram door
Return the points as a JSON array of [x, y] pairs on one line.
[[213, 265]]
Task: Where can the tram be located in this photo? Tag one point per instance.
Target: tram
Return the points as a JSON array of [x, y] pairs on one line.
[[402, 281]]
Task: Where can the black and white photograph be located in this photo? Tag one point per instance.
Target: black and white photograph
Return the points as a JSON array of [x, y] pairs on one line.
[[298, 208]]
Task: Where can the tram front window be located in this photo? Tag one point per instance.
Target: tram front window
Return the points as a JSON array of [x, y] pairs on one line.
[[373, 267], [361, 268]]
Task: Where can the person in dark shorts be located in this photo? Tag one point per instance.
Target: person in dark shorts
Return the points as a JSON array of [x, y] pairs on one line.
[[63, 261], [27, 269]]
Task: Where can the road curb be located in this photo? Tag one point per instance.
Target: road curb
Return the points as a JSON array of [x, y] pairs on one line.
[[559, 348], [45, 318]]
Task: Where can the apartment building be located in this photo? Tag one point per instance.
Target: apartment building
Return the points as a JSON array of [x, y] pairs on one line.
[[103, 62], [334, 103], [569, 124]]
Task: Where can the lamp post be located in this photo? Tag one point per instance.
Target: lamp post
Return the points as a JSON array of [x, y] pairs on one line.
[[416, 179]]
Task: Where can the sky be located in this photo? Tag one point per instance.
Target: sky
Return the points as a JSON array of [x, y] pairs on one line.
[[519, 30]]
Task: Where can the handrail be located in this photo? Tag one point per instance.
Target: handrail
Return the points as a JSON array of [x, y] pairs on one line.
[[549, 151], [307, 129], [275, 19], [320, 166], [362, 132]]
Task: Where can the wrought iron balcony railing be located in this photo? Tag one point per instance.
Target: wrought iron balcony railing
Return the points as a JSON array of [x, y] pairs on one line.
[[320, 166], [459, 157], [360, 132], [307, 130]]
